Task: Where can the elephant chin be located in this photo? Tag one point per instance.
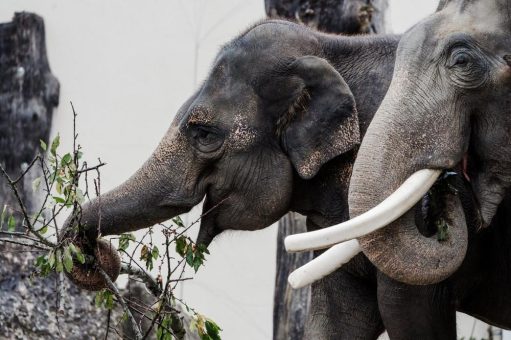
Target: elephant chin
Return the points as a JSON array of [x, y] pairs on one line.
[[208, 229]]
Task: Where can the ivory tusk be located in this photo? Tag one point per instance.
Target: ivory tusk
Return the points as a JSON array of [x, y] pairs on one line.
[[393, 207], [326, 263]]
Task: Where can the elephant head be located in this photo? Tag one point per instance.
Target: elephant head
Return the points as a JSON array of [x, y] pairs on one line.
[[448, 106], [271, 109]]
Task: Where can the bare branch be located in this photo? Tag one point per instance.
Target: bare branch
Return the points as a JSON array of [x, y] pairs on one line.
[[123, 304]]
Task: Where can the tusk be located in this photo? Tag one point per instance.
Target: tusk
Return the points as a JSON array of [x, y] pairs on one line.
[[393, 207], [324, 264]]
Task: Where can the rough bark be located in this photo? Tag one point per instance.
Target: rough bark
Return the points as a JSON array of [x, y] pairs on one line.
[[32, 308], [332, 16], [290, 307]]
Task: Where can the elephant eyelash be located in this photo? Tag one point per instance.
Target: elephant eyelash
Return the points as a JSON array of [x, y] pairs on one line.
[[299, 106]]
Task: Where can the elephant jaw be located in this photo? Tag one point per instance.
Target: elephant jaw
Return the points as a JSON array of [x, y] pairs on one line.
[[208, 225]]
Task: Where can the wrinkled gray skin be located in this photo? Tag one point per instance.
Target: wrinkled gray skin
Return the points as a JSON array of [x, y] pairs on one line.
[[244, 143], [448, 106], [273, 128]]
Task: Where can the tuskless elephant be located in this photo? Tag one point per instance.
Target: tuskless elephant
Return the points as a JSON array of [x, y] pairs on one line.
[[275, 128], [448, 107]]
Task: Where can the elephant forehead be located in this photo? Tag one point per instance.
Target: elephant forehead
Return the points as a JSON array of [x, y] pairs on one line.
[[479, 16]]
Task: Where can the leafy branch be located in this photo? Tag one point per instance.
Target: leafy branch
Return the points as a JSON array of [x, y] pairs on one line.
[[59, 183]]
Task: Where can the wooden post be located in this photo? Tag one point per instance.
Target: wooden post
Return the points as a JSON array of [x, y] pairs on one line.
[[332, 16], [32, 309], [291, 307]]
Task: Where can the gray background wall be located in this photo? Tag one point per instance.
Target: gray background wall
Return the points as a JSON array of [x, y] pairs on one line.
[[128, 66]]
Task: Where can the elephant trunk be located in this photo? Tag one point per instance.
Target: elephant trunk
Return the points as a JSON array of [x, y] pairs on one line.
[[164, 187], [385, 160], [153, 194]]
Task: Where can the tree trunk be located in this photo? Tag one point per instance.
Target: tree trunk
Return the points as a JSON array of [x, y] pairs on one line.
[[291, 307], [332, 16], [32, 309]]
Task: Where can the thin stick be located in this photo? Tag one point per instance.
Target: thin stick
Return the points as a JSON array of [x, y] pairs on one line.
[[24, 209], [113, 288]]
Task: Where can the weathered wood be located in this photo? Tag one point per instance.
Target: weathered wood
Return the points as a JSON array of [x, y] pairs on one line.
[[333, 16], [28, 94], [290, 307]]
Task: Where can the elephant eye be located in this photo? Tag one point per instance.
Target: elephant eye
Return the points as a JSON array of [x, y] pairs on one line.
[[467, 68], [206, 138], [460, 59]]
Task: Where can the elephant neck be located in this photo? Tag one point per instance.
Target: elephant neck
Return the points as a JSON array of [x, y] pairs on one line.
[[323, 199]]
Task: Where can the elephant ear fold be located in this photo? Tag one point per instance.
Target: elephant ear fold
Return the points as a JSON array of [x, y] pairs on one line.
[[323, 122]]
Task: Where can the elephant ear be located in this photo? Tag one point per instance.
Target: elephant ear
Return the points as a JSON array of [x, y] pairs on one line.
[[323, 122]]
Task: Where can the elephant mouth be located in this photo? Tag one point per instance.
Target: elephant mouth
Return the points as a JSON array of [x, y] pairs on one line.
[[208, 220], [434, 195], [432, 212]]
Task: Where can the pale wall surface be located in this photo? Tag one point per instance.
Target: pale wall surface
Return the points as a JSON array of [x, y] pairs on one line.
[[128, 66]]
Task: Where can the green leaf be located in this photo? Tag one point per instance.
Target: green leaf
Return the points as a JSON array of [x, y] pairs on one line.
[[178, 221], [80, 198], [67, 260], [124, 241], [2, 216], [58, 261], [58, 187], [104, 298], [98, 300], [109, 303], [80, 257], [66, 159], [72, 248], [43, 145], [213, 330], [40, 260], [155, 252], [36, 183], [51, 259], [59, 199], [11, 223], [181, 245], [54, 145], [77, 252], [202, 248], [189, 257], [43, 230]]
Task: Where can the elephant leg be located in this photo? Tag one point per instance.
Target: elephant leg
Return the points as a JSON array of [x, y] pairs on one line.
[[416, 312], [344, 306]]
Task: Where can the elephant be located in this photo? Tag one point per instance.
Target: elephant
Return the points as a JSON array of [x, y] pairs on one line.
[[447, 108], [275, 128]]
